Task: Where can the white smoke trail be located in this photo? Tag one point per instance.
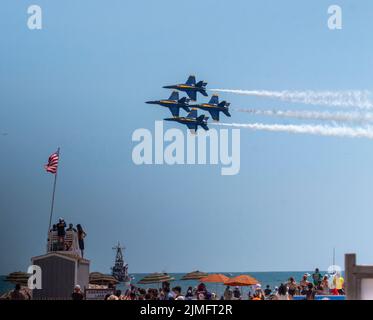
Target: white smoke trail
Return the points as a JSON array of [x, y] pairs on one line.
[[359, 117], [353, 98], [358, 132]]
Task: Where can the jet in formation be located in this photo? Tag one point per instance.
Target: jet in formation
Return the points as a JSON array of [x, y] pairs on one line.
[[192, 121], [190, 87], [214, 107], [173, 103]]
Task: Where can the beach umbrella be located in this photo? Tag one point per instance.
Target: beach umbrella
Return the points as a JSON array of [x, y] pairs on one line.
[[95, 275], [195, 275], [215, 277], [98, 278], [18, 277], [241, 281], [156, 277]]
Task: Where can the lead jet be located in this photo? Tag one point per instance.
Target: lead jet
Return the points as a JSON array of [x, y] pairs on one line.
[[214, 107], [192, 121], [173, 103], [190, 87]]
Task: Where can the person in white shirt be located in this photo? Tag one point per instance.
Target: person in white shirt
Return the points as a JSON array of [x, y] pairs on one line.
[[177, 293]]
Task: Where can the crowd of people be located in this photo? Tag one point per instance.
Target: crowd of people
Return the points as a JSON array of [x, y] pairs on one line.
[[308, 287], [164, 293], [19, 293], [319, 284], [61, 244]]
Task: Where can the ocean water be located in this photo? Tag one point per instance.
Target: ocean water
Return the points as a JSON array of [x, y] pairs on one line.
[[272, 279]]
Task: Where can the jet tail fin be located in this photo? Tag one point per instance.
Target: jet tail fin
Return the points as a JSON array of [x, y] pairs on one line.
[[203, 91], [200, 118], [184, 100], [202, 121], [226, 112], [186, 108], [201, 84], [174, 96]]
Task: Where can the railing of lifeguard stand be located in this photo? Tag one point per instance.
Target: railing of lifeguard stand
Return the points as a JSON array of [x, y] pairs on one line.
[[68, 244]]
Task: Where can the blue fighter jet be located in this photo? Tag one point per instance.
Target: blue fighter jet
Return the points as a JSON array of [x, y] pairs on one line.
[[173, 103], [190, 87], [214, 107], [192, 121]]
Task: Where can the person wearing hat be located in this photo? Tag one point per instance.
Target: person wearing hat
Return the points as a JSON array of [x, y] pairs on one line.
[[77, 294]]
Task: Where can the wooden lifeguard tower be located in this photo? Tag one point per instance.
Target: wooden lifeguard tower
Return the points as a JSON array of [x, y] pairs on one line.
[[61, 269]]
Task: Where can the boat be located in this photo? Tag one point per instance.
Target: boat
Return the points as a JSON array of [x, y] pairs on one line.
[[120, 269]]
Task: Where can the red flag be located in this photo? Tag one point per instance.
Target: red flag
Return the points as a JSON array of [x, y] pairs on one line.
[[52, 163]]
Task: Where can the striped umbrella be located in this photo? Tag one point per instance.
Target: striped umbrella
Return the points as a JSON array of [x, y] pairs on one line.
[[18, 277], [156, 277], [195, 275], [102, 279]]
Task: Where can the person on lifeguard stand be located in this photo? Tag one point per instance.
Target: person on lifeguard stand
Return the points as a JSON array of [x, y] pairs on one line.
[[61, 233]]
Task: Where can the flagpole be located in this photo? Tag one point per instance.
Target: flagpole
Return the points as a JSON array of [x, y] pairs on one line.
[[53, 194]]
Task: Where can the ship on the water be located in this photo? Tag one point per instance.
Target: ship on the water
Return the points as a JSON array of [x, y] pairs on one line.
[[120, 268]]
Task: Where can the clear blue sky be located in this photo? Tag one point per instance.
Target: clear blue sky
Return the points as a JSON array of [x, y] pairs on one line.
[[81, 82]]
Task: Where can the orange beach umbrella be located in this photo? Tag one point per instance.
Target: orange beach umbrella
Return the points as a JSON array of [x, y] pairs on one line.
[[216, 277], [242, 280]]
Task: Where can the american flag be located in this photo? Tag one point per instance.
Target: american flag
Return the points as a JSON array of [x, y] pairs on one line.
[[52, 164]]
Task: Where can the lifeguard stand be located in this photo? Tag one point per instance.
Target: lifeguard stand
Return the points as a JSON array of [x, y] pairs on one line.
[[359, 279], [62, 268]]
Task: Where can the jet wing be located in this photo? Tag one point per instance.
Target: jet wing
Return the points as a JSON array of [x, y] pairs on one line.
[[193, 113], [192, 127], [175, 111], [214, 99], [214, 114], [192, 94]]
